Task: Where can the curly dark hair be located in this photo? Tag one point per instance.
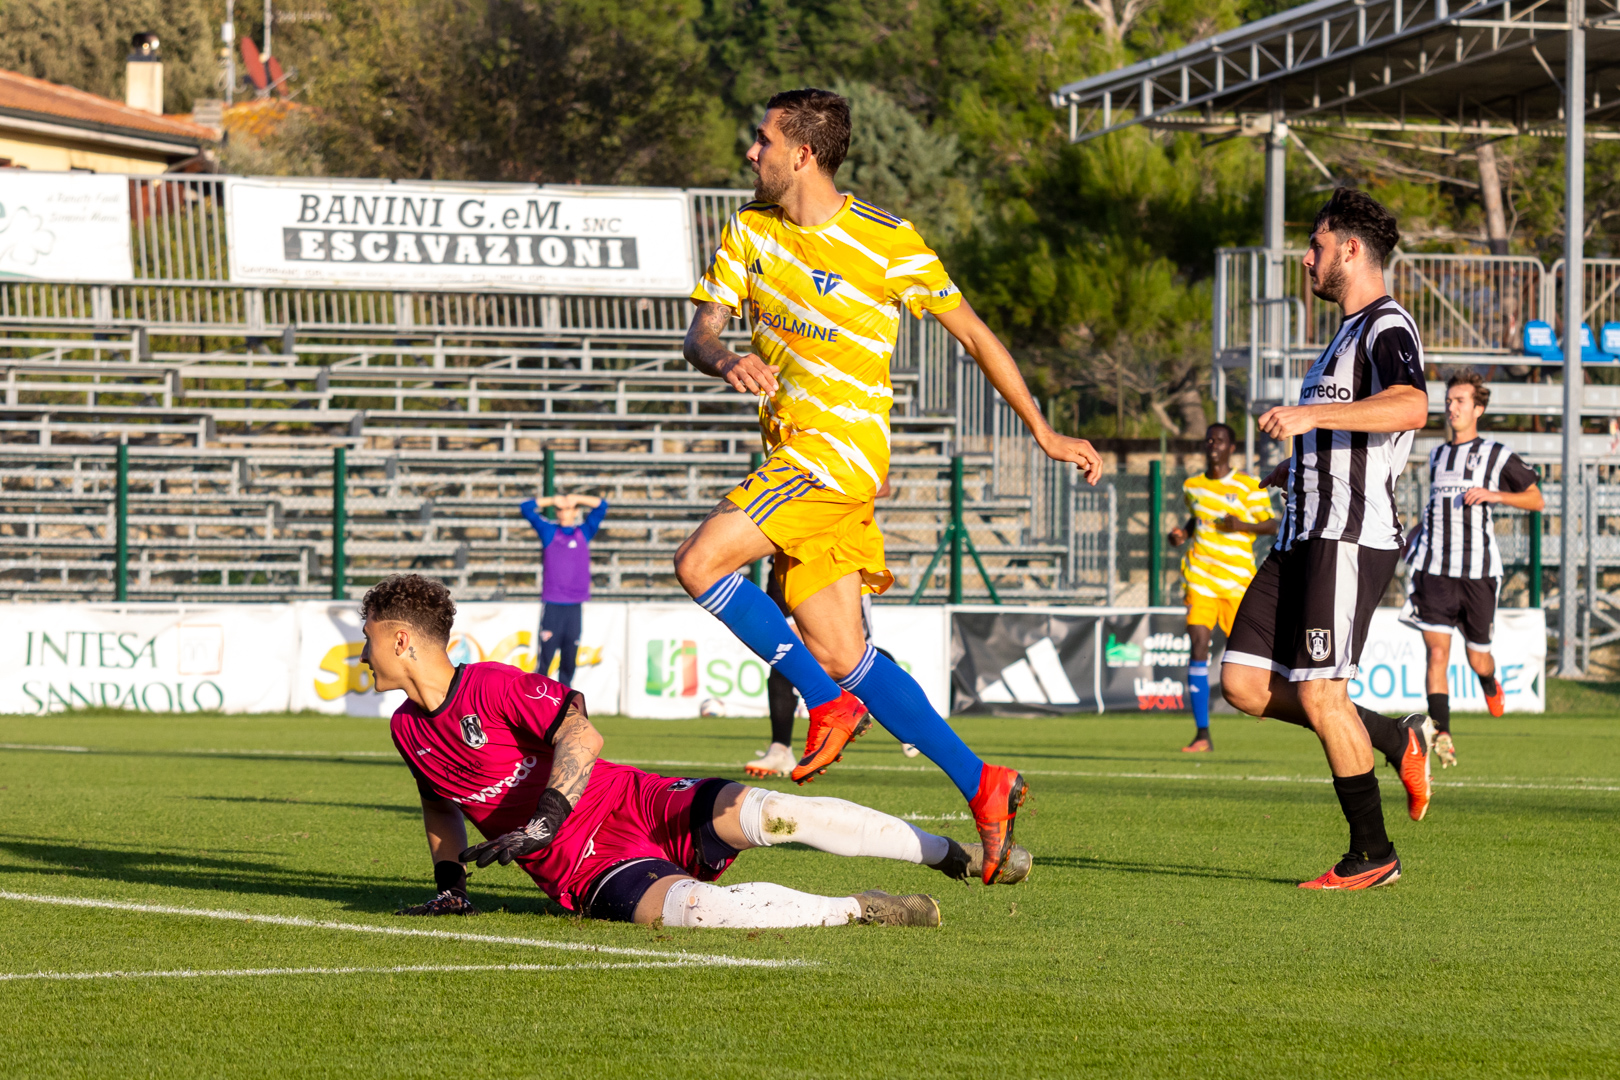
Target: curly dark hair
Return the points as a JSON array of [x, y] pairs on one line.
[[420, 603], [1482, 393], [817, 117], [1349, 212]]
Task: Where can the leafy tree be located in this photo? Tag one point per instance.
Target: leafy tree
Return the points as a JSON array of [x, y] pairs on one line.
[[84, 43]]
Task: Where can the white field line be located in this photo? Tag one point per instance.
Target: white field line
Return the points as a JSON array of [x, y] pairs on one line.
[[36, 746], [400, 969], [263, 751], [687, 959], [1604, 784]]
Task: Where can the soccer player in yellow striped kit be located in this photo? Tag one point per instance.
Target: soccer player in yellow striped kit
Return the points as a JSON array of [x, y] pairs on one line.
[[1228, 509], [824, 275]]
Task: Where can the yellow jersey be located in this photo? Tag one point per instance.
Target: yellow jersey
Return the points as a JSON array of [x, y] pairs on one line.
[[1220, 564], [825, 303]]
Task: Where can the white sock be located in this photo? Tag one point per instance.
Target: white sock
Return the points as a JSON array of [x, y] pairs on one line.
[[756, 905], [835, 826]]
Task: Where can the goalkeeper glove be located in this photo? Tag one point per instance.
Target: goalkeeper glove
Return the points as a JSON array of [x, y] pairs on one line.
[[451, 879], [541, 830]]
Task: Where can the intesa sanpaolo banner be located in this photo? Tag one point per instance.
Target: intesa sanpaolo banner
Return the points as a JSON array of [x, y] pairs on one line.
[[147, 657], [421, 234]]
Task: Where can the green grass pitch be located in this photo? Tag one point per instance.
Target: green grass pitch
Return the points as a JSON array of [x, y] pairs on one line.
[[1161, 933]]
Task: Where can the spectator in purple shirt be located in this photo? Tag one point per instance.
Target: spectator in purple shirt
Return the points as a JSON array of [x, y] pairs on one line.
[[565, 580]]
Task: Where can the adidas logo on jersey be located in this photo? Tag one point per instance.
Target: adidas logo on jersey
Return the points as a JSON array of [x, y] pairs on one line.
[[755, 268], [826, 281]]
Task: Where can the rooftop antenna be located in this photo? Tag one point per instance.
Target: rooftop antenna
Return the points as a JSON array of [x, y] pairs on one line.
[[268, 19], [227, 55]]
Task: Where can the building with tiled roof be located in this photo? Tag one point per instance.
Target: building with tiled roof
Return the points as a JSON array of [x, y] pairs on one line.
[[46, 126]]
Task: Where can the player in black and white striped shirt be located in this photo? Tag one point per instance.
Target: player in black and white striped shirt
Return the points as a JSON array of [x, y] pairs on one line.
[[1301, 627], [1456, 565]]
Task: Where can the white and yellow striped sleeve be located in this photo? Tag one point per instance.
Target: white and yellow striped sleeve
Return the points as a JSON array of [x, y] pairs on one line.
[[726, 281], [915, 276], [1258, 503]]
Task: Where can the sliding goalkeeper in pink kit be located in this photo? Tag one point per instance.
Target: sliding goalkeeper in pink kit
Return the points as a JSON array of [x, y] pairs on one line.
[[516, 754]]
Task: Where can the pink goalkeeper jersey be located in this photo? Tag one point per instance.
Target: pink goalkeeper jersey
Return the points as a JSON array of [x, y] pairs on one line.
[[488, 748]]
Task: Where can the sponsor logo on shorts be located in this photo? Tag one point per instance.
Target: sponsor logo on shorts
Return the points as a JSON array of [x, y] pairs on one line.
[[682, 785], [1319, 643], [472, 732]]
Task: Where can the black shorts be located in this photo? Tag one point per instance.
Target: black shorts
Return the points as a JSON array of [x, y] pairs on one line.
[[1439, 603], [618, 890], [1308, 609]]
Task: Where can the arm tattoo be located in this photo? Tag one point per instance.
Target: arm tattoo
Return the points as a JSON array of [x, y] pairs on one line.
[[724, 506], [703, 348], [571, 762]]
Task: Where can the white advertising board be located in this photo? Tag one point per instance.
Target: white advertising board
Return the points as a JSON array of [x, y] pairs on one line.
[[421, 234], [64, 226], [330, 677], [678, 656], [1394, 665], [180, 659]]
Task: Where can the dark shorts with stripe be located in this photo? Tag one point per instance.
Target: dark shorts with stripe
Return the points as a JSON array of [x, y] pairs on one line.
[[1308, 609], [1440, 603]]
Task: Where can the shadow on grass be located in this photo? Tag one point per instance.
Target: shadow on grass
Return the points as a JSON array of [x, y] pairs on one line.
[[395, 808], [1086, 862], [212, 871]]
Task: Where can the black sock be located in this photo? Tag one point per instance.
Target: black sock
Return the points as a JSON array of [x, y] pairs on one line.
[[1358, 798], [1487, 683], [1440, 710], [784, 701], [1202, 733], [450, 874], [1385, 734]]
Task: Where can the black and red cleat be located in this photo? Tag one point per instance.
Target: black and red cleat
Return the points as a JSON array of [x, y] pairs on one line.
[[995, 810], [1356, 871], [448, 902], [833, 726], [1496, 701], [1419, 732]]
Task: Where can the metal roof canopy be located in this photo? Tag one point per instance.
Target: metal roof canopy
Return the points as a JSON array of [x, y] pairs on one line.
[[1483, 70], [1492, 68]]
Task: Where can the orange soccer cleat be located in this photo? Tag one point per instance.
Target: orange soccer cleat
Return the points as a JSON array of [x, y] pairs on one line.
[[1419, 731], [1198, 746], [1355, 871], [1494, 701], [833, 726], [995, 810]]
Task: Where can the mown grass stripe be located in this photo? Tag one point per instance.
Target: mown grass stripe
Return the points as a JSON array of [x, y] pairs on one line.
[[703, 959], [397, 969]]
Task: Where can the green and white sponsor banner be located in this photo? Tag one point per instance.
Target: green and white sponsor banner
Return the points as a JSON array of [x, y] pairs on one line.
[[683, 662], [147, 657], [331, 679], [1394, 665], [64, 226], [429, 235]]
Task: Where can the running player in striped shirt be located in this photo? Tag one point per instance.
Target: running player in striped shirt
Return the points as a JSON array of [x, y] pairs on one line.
[[1226, 509], [823, 276], [1456, 565]]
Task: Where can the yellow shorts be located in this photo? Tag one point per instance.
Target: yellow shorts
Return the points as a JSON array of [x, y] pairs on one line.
[[822, 536], [1211, 611]]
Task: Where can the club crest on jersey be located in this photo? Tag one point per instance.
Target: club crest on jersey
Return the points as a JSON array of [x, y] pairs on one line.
[[826, 281], [1473, 461], [472, 732], [1319, 643]]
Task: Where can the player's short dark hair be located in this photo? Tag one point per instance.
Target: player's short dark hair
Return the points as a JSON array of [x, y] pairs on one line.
[[420, 603], [1482, 393], [1231, 436], [817, 117], [1349, 212]]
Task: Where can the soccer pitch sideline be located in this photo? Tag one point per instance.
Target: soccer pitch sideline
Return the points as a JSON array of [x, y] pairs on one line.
[[212, 896]]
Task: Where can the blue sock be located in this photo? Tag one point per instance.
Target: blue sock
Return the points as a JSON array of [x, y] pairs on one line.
[[758, 622], [1198, 692], [900, 705]]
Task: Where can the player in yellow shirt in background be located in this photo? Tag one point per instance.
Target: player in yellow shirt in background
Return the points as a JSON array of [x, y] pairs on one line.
[[1228, 509], [823, 276]]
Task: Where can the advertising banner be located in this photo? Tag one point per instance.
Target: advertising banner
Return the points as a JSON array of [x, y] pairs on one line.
[[150, 658], [64, 226], [331, 679], [1394, 666], [1013, 662], [421, 234]]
